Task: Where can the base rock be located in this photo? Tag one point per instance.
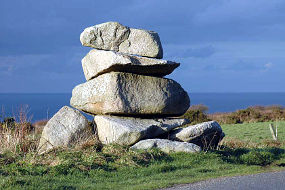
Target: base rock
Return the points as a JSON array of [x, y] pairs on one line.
[[66, 128], [129, 130], [206, 135], [167, 146]]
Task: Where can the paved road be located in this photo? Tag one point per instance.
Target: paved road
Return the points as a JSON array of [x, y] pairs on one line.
[[264, 181]]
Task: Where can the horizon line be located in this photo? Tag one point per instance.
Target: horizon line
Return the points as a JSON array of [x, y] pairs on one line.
[[187, 92]]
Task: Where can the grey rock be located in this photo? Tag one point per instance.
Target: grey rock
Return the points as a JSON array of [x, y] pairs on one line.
[[114, 36], [207, 134], [66, 128], [167, 146], [129, 130], [127, 94], [98, 62]]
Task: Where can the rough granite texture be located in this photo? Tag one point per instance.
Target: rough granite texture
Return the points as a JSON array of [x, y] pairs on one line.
[[66, 128], [204, 134], [98, 62], [167, 146], [127, 94], [114, 36], [129, 130]]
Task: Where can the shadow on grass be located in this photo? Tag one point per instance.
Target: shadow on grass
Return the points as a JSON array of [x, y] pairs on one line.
[[251, 156]]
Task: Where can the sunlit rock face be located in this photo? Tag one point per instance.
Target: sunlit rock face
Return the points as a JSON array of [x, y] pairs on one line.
[[127, 94], [98, 62], [206, 134], [114, 36], [66, 128], [167, 146], [129, 130]]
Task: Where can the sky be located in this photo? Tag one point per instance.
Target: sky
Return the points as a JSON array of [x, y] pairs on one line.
[[222, 45]]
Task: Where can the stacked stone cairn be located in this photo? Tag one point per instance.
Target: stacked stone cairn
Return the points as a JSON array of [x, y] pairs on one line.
[[132, 103]]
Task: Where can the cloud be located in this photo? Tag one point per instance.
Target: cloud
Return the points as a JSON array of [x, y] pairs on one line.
[[43, 27], [268, 65], [40, 27], [202, 52], [239, 66], [182, 52], [218, 42], [254, 11], [58, 72], [66, 60]]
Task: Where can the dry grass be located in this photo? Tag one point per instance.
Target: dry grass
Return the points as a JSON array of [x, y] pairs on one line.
[[237, 143], [17, 133], [19, 137], [39, 126]]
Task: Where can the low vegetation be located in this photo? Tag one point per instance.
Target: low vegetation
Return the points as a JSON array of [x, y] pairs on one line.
[[247, 148], [198, 114], [253, 134], [115, 167]]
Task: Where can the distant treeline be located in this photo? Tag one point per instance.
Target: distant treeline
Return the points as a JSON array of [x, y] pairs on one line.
[[198, 114]]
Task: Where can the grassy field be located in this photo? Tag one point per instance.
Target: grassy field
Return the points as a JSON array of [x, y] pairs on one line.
[[247, 149], [253, 132]]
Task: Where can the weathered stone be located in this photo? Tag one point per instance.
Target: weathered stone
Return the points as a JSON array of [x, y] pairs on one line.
[[167, 146], [98, 62], [66, 128], [207, 134], [129, 94], [129, 130], [116, 37]]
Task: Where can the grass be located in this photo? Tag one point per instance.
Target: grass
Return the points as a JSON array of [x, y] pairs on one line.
[[253, 132], [157, 173], [248, 148]]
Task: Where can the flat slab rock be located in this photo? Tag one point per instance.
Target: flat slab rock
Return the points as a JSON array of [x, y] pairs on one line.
[[129, 130], [98, 62], [204, 134], [114, 36], [127, 94], [66, 128], [167, 146]]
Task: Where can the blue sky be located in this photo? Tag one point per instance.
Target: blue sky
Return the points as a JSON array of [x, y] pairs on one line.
[[222, 45]]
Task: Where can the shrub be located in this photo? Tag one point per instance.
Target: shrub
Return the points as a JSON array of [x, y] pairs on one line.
[[255, 157], [251, 114], [199, 107], [8, 122], [39, 126], [197, 114]]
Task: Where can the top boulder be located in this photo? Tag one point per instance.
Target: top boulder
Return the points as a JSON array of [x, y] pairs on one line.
[[116, 37]]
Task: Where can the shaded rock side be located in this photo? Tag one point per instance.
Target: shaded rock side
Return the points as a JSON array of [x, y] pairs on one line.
[[66, 128], [206, 135], [167, 146], [114, 36], [98, 62], [127, 94], [129, 130]]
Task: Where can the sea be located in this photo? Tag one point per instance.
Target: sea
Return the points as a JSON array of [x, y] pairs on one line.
[[44, 106]]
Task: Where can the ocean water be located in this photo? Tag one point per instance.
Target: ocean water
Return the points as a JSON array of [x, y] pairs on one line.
[[42, 106]]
